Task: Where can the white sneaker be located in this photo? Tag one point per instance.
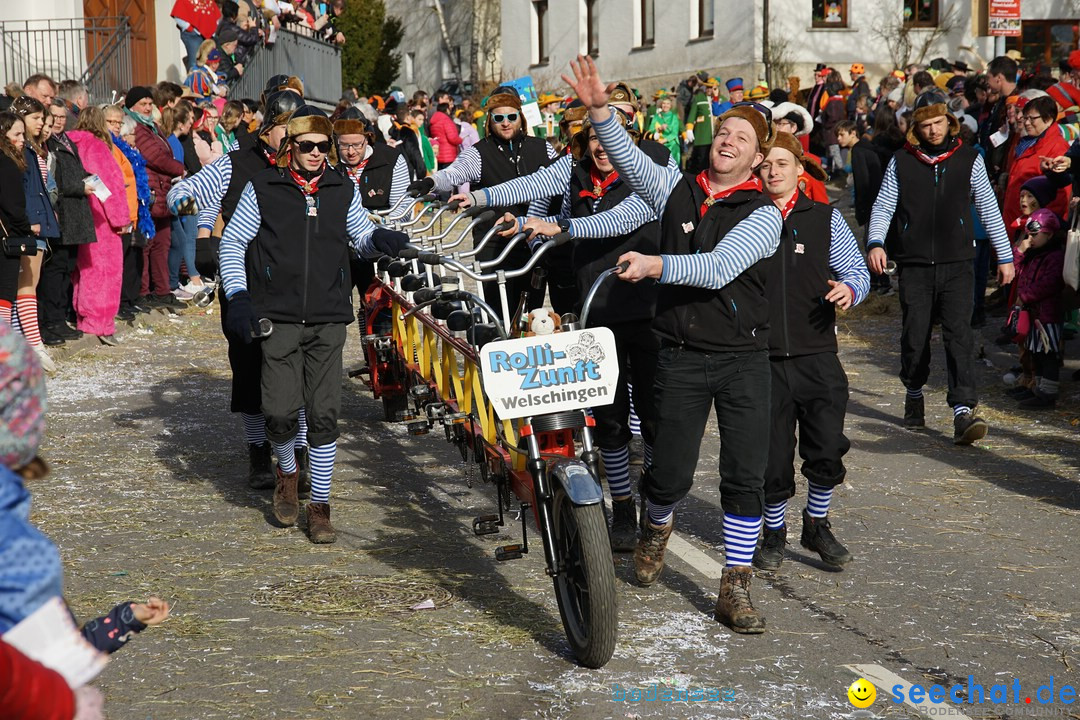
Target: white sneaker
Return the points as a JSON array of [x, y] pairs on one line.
[[193, 288], [47, 363], [182, 294]]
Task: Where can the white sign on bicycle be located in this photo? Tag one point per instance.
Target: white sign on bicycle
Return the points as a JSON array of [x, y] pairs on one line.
[[550, 373]]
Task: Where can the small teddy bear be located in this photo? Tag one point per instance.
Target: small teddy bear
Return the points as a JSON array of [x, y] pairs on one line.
[[543, 321]]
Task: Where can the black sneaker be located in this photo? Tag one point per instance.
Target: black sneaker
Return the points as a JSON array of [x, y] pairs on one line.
[[169, 301], [967, 428], [260, 471], [1039, 401], [770, 549], [1020, 392], [817, 536], [624, 520], [914, 412], [65, 331], [125, 314]]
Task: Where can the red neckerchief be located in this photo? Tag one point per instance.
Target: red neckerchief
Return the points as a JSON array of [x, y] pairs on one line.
[[786, 210], [754, 183], [356, 172], [932, 160], [308, 187], [600, 184], [271, 157]]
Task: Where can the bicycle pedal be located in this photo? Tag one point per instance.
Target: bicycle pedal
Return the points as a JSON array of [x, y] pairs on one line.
[[485, 525], [509, 552], [365, 370]]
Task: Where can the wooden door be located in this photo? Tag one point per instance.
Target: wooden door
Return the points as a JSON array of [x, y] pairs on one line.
[[140, 14]]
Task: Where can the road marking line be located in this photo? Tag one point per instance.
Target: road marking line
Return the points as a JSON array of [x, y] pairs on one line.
[[694, 557], [882, 678]]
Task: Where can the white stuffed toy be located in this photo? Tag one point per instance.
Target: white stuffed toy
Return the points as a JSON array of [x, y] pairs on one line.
[[543, 321]]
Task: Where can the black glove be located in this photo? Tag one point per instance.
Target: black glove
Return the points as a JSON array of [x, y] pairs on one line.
[[240, 319], [389, 242], [421, 187]]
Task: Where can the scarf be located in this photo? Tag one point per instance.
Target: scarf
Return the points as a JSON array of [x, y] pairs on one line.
[[1024, 143], [600, 184], [937, 154], [308, 182], [354, 173], [754, 183], [790, 205], [147, 121], [145, 224]]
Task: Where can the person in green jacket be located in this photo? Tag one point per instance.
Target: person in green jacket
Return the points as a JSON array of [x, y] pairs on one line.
[[664, 125], [699, 126], [416, 120]]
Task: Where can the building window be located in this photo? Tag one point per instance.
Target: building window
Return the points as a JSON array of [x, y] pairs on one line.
[[592, 28], [1044, 41], [921, 13], [540, 12], [648, 24], [705, 18], [410, 67], [829, 14]]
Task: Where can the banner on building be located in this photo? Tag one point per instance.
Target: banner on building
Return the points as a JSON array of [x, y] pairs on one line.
[[1004, 18]]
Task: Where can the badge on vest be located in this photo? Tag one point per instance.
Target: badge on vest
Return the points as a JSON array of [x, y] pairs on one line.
[[688, 227], [312, 206], [800, 249]]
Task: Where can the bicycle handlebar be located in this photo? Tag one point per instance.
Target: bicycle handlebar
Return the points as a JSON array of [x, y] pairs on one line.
[[587, 305], [555, 241]]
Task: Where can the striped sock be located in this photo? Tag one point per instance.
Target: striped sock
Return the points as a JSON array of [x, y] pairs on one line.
[[914, 393], [647, 462], [322, 469], [617, 469], [660, 515], [740, 538], [301, 434], [1049, 387], [254, 428], [635, 421], [960, 410], [286, 455], [774, 514], [26, 307], [817, 501], [5, 311]]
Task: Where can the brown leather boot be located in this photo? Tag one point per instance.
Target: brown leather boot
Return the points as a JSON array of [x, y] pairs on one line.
[[733, 605], [649, 553], [286, 504], [318, 523]]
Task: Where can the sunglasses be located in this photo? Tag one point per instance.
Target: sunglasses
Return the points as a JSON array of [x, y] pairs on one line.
[[509, 117], [1034, 226], [306, 146], [764, 110]]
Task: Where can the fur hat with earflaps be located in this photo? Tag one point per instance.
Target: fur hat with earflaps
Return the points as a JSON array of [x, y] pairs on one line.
[[353, 122], [762, 125], [503, 96], [621, 94], [307, 120], [789, 142], [931, 104]]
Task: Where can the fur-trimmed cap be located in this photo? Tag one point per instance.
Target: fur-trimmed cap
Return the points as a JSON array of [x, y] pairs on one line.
[[929, 105], [789, 142], [756, 119], [353, 122], [503, 96], [307, 120], [621, 94], [579, 142]]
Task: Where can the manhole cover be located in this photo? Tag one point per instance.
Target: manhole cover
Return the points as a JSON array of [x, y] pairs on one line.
[[351, 595]]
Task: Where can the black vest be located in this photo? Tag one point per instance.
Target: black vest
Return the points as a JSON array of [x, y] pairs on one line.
[[497, 165], [246, 162], [298, 265], [933, 211], [375, 181], [616, 301], [734, 318], [801, 321]]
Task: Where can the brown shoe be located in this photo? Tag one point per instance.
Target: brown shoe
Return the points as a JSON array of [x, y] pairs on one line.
[[649, 553], [318, 523], [286, 504], [733, 605]]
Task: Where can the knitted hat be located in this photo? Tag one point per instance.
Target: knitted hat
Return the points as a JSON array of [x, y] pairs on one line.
[[1043, 220], [931, 104], [136, 94], [734, 84], [756, 119], [213, 56], [789, 142], [22, 400], [1041, 188], [306, 120], [353, 122]]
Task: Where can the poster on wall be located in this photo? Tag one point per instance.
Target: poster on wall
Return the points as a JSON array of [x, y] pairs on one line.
[[527, 92], [1004, 18]]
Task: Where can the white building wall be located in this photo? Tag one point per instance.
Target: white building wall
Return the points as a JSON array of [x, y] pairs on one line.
[[423, 41], [170, 51], [40, 9]]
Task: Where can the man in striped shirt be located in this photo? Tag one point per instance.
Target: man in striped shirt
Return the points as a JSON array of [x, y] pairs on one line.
[[716, 229], [933, 251]]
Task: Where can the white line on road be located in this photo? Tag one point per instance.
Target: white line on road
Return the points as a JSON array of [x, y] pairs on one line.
[[882, 678]]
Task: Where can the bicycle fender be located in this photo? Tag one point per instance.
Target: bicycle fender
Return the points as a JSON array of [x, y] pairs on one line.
[[574, 477]]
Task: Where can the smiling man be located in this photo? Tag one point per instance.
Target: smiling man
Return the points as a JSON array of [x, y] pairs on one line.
[[716, 229]]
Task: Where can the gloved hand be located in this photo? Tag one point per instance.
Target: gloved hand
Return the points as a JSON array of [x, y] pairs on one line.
[[422, 186], [177, 200], [690, 135], [240, 319], [389, 242]]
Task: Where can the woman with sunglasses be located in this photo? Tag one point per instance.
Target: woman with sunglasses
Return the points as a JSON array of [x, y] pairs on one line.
[[285, 258], [505, 152]]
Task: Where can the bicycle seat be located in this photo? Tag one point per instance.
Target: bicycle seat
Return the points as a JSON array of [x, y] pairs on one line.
[[480, 334], [414, 282], [399, 268], [459, 320], [442, 308]]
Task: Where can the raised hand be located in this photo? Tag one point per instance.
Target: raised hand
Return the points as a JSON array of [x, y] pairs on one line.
[[590, 89]]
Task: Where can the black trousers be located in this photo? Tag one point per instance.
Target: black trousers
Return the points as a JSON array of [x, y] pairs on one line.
[[245, 361], [811, 390], [132, 279], [689, 385], [54, 287], [938, 293], [637, 347], [302, 369]]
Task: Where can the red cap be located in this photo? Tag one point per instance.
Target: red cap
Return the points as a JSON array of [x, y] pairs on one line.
[[1074, 59]]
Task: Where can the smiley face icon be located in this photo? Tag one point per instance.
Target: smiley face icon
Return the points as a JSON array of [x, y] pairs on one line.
[[861, 693]]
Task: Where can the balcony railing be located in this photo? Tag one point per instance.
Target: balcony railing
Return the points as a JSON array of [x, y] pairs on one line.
[[316, 63]]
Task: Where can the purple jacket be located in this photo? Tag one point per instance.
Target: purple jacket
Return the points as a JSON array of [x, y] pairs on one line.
[[1039, 282]]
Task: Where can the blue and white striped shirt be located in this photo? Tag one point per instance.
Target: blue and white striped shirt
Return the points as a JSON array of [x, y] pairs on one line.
[[244, 226], [985, 204], [845, 261], [755, 237], [208, 187], [399, 184]]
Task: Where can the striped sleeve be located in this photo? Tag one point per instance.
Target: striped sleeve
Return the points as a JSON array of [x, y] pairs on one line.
[[208, 187], [466, 169], [399, 184], [242, 228], [845, 260], [652, 182], [987, 207], [359, 227], [624, 218], [881, 214], [551, 152], [755, 237], [547, 182]]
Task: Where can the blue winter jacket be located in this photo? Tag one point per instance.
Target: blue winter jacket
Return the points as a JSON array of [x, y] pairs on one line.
[[39, 211]]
